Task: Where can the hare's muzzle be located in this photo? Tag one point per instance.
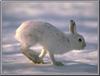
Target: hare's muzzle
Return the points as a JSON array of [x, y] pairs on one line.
[[84, 45]]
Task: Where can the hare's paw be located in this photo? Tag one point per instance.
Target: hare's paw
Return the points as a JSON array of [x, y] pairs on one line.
[[58, 63], [37, 60]]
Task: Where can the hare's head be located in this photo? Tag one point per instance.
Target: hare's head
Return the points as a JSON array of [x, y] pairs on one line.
[[77, 41]]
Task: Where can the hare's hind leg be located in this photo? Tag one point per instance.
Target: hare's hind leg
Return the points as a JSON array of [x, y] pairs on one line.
[[42, 54], [33, 56]]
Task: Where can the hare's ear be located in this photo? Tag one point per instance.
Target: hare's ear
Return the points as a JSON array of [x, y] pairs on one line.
[[72, 27]]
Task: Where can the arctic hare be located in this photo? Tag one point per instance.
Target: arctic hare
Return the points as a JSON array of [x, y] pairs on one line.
[[52, 39]]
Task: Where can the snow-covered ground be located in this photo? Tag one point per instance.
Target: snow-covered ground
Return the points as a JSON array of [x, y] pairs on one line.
[[57, 13]]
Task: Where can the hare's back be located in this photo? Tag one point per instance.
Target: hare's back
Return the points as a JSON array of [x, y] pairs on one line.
[[38, 28], [31, 30]]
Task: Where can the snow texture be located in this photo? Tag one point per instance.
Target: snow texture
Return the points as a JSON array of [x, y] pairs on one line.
[[59, 14]]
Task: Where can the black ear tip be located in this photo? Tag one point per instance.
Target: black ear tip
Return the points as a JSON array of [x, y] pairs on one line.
[[71, 21]]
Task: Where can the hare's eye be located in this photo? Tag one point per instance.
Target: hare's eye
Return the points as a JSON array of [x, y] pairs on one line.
[[80, 40]]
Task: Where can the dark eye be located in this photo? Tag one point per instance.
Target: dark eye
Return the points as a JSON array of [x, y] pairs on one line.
[[80, 40]]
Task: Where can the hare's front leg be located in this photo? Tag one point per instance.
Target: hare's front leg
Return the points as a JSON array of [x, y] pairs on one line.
[[57, 63], [31, 55]]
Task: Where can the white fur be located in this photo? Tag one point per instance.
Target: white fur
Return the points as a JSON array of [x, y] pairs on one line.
[[51, 38]]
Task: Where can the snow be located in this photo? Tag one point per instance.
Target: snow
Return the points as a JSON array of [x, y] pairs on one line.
[[76, 62]]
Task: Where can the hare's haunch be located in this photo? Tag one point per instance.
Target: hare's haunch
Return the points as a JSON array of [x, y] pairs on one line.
[[52, 39]]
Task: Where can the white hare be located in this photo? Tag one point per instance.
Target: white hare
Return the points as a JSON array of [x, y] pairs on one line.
[[52, 39]]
